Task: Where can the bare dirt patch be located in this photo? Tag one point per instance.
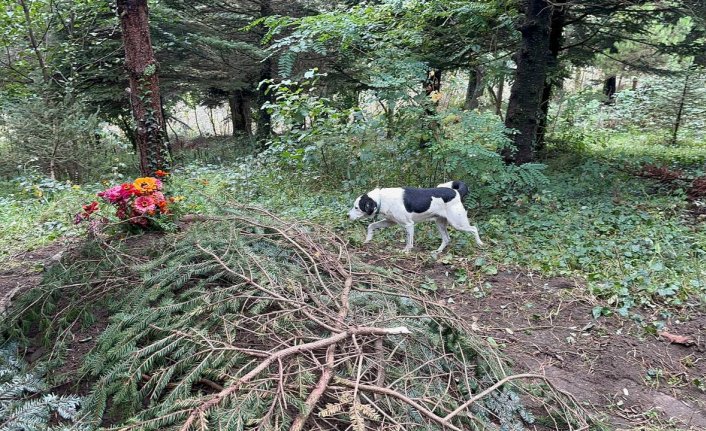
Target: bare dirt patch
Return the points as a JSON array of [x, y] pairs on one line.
[[25, 271], [630, 379]]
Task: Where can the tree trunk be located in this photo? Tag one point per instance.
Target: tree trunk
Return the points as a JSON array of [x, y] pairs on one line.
[[475, 88], [526, 93], [432, 88], [213, 121], [34, 43], [555, 39], [264, 119], [144, 85], [239, 104], [680, 110], [609, 88], [499, 97]]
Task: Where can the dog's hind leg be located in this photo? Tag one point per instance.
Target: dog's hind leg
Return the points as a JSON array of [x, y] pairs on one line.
[[372, 227], [410, 237], [441, 224], [462, 223]]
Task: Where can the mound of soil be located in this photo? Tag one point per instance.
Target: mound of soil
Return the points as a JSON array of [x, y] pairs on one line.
[[628, 377]]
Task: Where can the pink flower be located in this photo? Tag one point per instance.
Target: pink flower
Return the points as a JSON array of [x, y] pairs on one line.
[[112, 195], [144, 204], [158, 197]]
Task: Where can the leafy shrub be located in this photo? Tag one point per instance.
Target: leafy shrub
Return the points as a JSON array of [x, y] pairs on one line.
[[471, 150], [321, 141]]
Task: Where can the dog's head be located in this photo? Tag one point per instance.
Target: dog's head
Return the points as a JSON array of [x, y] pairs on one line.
[[364, 206]]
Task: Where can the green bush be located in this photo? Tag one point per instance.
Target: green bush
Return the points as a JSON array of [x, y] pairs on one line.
[[57, 135]]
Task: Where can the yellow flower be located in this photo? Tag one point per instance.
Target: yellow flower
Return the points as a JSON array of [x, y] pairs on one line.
[[76, 187], [145, 185]]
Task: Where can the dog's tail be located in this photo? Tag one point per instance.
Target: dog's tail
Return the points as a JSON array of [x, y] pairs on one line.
[[460, 186]]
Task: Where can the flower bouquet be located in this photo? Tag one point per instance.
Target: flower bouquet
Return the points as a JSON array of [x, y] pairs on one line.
[[141, 203]]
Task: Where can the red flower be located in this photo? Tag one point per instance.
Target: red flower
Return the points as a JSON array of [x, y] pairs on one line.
[[128, 190], [90, 208], [160, 173], [121, 213]]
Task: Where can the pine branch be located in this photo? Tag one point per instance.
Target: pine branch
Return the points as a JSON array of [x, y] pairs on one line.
[[218, 398]]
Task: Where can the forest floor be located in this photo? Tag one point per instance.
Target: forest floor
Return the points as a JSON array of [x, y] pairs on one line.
[[627, 377]]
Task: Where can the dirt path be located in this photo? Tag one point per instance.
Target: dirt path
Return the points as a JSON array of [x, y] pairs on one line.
[[611, 363], [24, 271], [629, 378]]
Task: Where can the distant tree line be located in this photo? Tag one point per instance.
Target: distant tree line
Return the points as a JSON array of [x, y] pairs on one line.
[[218, 52]]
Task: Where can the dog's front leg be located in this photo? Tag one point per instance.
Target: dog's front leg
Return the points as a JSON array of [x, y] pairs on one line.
[[409, 227], [372, 227]]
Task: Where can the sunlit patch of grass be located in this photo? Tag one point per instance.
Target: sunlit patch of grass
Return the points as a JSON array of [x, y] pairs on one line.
[[636, 148], [31, 222]]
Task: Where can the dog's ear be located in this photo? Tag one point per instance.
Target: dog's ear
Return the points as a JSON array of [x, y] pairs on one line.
[[367, 205]]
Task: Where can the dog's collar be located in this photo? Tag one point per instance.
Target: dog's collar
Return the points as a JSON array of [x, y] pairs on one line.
[[377, 210]]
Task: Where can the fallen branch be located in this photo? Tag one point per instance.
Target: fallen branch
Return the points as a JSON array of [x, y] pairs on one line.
[[404, 398], [200, 411], [491, 389]]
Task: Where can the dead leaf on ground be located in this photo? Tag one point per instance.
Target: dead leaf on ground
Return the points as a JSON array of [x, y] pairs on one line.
[[677, 339]]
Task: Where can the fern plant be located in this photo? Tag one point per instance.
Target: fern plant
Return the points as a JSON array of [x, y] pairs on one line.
[[470, 149]]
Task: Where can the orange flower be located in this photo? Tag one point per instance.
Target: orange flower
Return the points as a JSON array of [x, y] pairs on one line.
[[163, 207], [146, 185], [161, 174]]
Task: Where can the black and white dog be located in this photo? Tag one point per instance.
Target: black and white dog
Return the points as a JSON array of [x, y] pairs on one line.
[[407, 206]]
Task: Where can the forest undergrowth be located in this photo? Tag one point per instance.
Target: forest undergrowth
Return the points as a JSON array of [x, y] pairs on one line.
[[636, 239], [245, 319]]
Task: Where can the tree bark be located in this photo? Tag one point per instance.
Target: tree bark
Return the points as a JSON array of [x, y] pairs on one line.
[[680, 110], [475, 88], [239, 104], [34, 43], [432, 88], [499, 97], [555, 39], [144, 85], [264, 119], [526, 93], [609, 88]]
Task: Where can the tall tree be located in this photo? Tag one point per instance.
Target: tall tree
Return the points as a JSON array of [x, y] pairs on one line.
[[532, 61], [474, 90], [241, 118], [555, 78], [144, 85]]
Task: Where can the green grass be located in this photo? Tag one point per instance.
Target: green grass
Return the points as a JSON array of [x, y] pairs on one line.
[[29, 221], [630, 238]]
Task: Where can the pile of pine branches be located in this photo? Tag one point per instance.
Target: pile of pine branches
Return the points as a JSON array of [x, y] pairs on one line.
[[249, 321]]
